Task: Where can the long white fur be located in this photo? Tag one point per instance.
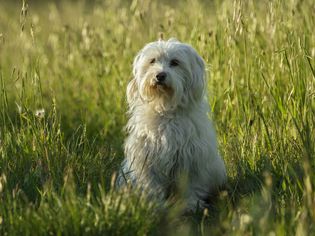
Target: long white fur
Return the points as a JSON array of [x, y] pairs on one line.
[[169, 133]]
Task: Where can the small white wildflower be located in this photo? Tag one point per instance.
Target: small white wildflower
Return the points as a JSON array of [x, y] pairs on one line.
[[40, 113]]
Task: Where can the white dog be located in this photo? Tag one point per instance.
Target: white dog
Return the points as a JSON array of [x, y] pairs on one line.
[[170, 134]]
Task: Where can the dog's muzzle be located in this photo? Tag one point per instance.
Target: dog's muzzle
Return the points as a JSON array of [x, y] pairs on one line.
[[160, 78]]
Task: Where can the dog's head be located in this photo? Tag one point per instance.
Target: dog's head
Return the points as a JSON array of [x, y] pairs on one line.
[[167, 75]]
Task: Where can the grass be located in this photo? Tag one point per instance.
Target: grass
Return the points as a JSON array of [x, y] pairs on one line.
[[64, 68]]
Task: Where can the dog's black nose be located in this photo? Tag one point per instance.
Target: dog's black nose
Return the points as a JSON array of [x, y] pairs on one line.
[[160, 77]]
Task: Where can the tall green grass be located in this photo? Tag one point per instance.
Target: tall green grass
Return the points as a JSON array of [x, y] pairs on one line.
[[64, 68]]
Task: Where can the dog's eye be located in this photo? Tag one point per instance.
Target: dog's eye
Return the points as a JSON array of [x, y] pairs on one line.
[[174, 62], [152, 61]]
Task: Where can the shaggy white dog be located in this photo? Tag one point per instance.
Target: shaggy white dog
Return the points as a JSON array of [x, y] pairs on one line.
[[170, 134]]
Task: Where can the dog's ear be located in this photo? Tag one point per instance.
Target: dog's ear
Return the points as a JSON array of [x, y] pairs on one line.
[[135, 64], [199, 76], [132, 92], [132, 88]]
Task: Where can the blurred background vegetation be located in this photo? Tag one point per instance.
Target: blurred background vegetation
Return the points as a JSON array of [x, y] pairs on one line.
[[64, 67]]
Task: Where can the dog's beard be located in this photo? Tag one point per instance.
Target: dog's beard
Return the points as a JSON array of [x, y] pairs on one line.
[[163, 97]]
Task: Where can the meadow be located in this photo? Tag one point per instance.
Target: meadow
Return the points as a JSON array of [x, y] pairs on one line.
[[64, 67]]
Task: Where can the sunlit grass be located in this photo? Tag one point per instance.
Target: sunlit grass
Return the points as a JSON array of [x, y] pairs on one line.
[[63, 72]]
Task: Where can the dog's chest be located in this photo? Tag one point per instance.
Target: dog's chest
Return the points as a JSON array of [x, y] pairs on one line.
[[165, 141], [167, 135]]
